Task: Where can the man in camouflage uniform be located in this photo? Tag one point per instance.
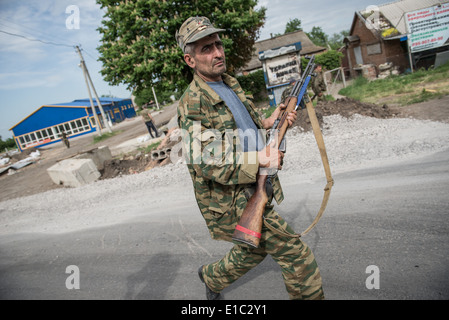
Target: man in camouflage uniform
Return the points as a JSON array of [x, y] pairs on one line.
[[318, 85], [209, 125]]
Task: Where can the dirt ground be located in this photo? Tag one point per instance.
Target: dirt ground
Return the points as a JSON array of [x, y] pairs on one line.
[[34, 178], [435, 110]]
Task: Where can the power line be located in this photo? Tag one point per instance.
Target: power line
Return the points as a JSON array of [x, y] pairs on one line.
[[90, 55], [48, 42], [34, 38], [42, 41], [30, 32]]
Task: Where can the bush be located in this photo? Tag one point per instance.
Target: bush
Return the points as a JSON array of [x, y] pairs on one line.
[[254, 83], [329, 60]]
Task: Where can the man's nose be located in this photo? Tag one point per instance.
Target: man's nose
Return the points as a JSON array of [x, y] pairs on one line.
[[218, 52]]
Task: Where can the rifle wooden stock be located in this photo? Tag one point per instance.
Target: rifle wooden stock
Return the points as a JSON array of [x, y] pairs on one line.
[[249, 227], [290, 105]]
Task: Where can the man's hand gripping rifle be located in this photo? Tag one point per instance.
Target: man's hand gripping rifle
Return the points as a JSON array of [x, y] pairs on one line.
[[249, 227]]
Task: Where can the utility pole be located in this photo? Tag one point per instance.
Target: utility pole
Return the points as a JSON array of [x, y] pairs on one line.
[[410, 59], [155, 97], [98, 102], [94, 112], [89, 80]]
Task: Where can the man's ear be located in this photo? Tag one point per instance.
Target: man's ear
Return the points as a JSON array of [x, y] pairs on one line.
[[189, 60]]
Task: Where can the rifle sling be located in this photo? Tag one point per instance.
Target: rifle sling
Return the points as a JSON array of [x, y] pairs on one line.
[[330, 182]]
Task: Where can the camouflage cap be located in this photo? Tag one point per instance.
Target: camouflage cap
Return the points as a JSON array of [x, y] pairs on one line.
[[194, 29]]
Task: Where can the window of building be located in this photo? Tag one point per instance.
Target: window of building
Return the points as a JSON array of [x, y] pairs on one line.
[[53, 133], [74, 127], [61, 128], [374, 49], [358, 55], [85, 124], [68, 130]]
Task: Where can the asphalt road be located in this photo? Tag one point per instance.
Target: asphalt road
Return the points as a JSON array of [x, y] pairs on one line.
[[394, 217]]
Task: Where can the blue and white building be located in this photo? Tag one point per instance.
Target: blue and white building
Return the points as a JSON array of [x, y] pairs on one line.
[[45, 125]]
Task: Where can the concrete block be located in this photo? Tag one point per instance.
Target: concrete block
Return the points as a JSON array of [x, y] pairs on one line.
[[98, 156], [74, 172], [160, 154]]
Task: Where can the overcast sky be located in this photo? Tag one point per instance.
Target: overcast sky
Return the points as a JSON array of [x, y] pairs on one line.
[[34, 73], [332, 16]]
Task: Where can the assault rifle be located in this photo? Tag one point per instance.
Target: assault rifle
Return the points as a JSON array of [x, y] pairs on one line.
[[249, 228]]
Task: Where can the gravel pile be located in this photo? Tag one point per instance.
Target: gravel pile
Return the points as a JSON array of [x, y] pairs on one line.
[[358, 140], [352, 143]]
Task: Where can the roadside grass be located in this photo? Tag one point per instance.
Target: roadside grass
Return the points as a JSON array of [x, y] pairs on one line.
[[105, 136], [150, 148], [419, 86], [424, 95]]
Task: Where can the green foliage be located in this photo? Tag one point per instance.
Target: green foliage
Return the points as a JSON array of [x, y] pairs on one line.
[[146, 95], [105, 136], [150, 148], [138, 46], [403, 89], [7, 144], [318, 37], [329, 60], [293, 25], [336, 40], [253, 83], [422, 96]]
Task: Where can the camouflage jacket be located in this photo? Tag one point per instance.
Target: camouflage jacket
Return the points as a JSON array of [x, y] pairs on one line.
[[220, 171], [318, 85]]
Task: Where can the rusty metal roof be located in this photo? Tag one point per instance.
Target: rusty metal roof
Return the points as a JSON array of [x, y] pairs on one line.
[[394, 11]]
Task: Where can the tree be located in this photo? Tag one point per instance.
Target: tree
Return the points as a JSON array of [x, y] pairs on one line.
[[318, 37], [163, 96], [138, 46], [336, 41], [7, 144], [293, 25]]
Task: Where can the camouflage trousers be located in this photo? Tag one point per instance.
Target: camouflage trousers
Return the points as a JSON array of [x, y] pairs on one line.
[[299, 269]]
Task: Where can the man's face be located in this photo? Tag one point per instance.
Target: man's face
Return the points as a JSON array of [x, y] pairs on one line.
[[208, 59]]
